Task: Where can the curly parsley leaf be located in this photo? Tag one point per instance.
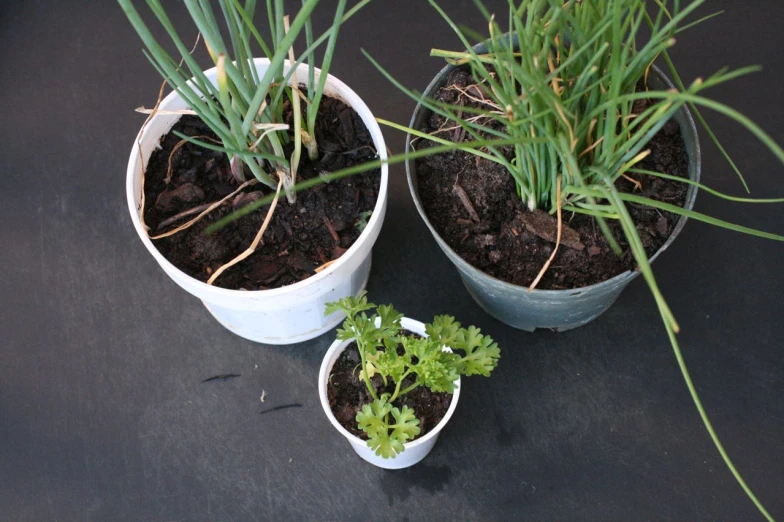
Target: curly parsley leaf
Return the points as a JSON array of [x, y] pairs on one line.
[[444, 328], [389, 319], [349, 305], [386, 439], [373, 418], [389, 363], [406, 425], [345, 334], [439, 373], [481, 352], [434, 368], [385, 446]]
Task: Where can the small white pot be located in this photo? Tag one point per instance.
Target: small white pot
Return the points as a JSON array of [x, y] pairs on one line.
[[293, 313], [414, 451]]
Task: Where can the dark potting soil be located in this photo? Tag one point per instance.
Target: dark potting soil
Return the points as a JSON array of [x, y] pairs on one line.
[[347, 393], [507, 241], [322, 224]]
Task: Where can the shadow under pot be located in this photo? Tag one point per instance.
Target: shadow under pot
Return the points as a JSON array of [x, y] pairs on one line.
[[559, 309]]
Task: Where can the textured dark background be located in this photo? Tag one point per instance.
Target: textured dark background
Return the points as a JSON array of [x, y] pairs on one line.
[[103, 415]]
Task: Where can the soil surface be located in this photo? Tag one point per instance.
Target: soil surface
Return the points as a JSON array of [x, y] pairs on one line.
[[322, 224], [505, 240], [347, 393]]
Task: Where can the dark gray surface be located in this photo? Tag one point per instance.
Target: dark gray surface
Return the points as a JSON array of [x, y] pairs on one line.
[[103, 415]]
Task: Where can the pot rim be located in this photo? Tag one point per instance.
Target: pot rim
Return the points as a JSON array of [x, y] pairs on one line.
[[691, 196], [340, 91], [336, 348]]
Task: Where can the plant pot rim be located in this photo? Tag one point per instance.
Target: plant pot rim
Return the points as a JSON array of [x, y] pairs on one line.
[[356, 103], [336, 348], [691, 196]]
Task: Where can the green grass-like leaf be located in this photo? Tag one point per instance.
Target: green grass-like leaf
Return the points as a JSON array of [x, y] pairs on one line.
[[566, 105], [233, 108]]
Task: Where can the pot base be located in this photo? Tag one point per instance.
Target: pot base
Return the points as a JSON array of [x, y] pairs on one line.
[[248, 326], [233, 328], [564, 311], [408, 458]]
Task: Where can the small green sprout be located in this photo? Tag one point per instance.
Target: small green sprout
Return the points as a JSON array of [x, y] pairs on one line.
[[363, 220], [421, 362]]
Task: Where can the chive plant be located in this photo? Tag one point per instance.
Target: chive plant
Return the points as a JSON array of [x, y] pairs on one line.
[[554, 105], [245, 108]]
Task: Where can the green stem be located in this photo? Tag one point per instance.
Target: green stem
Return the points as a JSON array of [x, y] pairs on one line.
[[295, 156], [315, 100], [415, 385], [277, 149], [259, 172], [364, 369], [709, 426], [397, 387]]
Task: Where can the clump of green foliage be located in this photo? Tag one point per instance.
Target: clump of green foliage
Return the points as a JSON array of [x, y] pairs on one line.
[[554, 104], [245, 109], [423, 361]]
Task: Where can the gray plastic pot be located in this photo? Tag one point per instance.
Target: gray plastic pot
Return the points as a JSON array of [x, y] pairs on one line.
[[554, 309]]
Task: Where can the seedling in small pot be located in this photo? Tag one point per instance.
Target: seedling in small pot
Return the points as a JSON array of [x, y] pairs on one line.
[[404, 362]]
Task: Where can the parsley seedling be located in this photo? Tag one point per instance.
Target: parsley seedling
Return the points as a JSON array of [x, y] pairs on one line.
[[362, 223], [384, 350]]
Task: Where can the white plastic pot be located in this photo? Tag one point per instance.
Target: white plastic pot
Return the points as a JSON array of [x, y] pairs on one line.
[[415, 450], [293, 313]]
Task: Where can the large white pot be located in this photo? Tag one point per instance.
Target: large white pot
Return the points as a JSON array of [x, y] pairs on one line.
[[414, 451], [293, 313]]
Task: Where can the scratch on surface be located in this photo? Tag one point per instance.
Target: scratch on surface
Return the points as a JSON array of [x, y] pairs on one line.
[[263, 394], [223, 377], [282, 407]]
